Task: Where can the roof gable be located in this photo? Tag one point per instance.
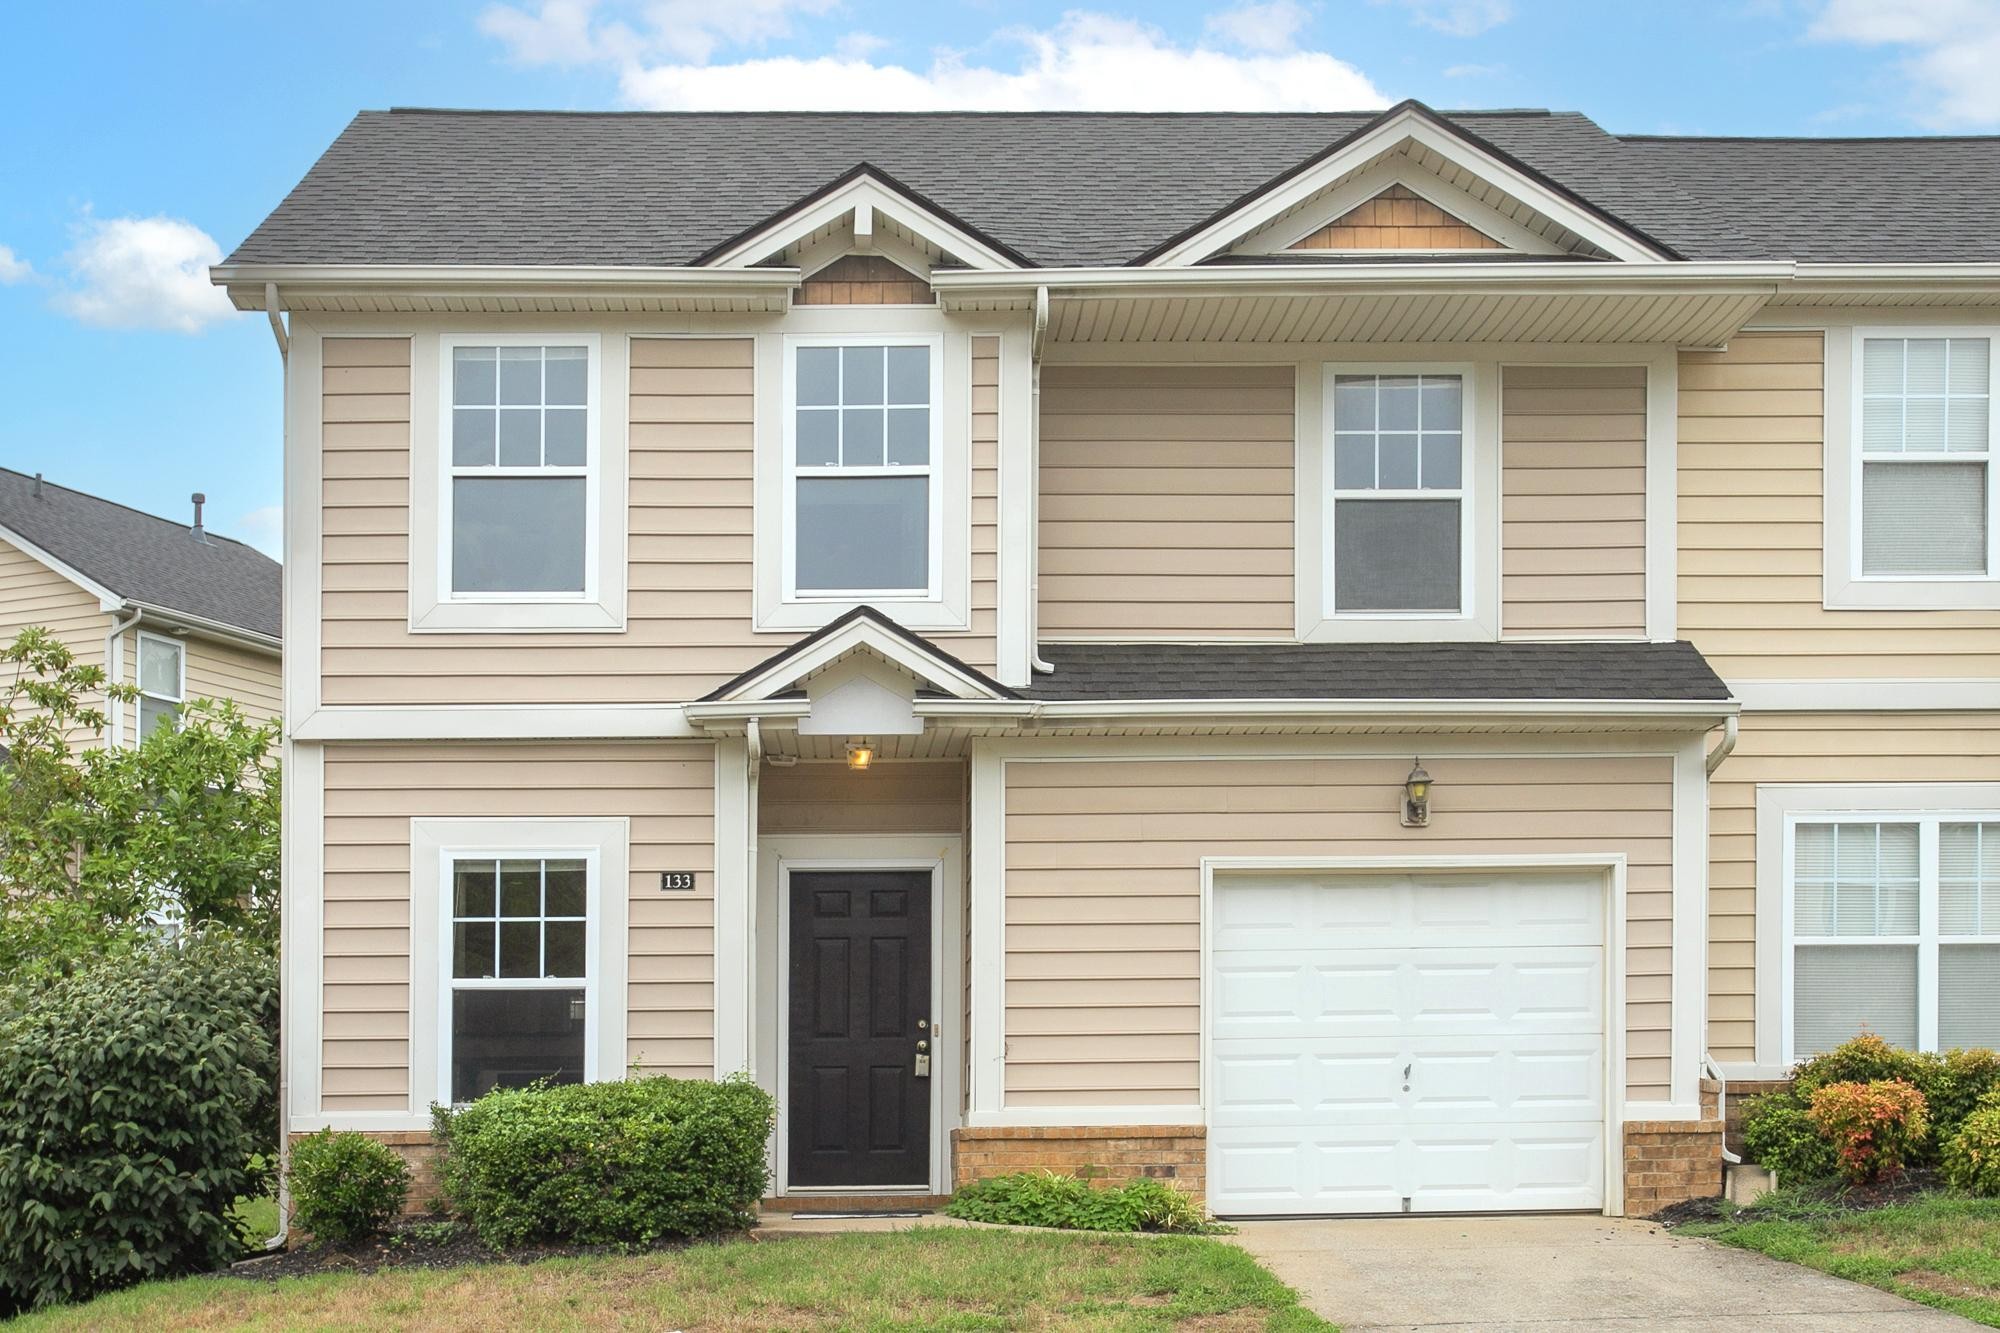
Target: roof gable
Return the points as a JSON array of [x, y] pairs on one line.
[[1397, 219], [863, 632], [1412, 146]]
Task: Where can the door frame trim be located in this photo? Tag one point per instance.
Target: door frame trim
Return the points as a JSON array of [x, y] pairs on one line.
[[1610, 864], [942, 855]]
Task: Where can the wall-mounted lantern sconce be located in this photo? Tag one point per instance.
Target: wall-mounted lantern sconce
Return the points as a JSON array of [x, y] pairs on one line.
[[1417, 796], [860, 754]]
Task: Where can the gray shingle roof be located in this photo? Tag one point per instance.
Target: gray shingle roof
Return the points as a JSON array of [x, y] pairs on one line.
[[143, 558], [1622, 672], [649, 189]]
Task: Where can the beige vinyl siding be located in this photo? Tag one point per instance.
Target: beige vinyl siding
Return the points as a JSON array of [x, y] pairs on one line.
[[32, 594], [1573, 502], [1794, 748], [666, 789], [1751, 550], [224, 671], [1103, 891], [690, 544], [1166, 502], [895, 797], [979, 647]]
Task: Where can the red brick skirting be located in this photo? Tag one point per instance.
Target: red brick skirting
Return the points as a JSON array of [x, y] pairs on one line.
[[1178, 1153], [1669, 1162]]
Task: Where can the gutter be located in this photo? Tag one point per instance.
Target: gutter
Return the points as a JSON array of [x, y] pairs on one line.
[[485, 278], [114, 667], [1638, 277], [1725, 746], [213, 629]]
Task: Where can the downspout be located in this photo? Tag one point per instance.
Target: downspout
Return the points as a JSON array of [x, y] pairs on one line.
[[277, 321], [1035, 661], [1723, 747], [114, 670]]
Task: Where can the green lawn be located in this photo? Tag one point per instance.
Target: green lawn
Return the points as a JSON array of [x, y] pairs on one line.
[[259, 1217], [932, 1278], [1941, 1249]]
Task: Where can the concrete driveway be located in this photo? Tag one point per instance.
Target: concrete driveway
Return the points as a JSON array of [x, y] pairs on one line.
[[1564, 1272]]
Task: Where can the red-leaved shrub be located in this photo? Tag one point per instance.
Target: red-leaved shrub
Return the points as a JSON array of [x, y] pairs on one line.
[[1873, 1127]]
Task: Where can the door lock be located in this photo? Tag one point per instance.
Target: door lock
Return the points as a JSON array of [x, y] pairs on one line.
[[923, 1069]]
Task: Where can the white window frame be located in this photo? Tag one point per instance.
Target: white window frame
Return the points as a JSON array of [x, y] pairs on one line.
[[946, 605], [933, 471], [1780, 809], [434, 606], [1477, 616], [178, 699], [435, 844], [1846, 587]]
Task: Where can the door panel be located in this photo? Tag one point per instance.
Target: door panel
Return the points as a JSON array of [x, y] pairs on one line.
[[858, 1112]]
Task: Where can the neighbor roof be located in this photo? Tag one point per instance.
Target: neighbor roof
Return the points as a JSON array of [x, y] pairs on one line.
[[650, 189], [141, 558], [1613, 672]]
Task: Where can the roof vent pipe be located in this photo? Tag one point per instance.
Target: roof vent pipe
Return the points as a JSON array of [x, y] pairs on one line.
[[38, 485], [199, 501]]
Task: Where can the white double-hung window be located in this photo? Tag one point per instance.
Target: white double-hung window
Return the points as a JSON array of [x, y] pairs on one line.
[[162, 682], [1894, 927], [863, 472], [1399, 505], [518, 998]]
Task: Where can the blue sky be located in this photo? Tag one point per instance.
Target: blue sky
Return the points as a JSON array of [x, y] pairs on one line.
[[142, 142]]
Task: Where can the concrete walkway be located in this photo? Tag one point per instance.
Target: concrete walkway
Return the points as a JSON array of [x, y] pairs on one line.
[[1559, 1273]]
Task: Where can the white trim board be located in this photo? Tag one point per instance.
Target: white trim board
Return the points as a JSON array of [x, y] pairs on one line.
[[940, 854], [1910, 694]]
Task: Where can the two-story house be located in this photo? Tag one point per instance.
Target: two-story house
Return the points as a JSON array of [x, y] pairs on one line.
[[170, 608], [1356, 662]]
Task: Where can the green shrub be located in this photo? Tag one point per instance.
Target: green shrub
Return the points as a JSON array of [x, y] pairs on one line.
[[1863, 1059], [1957, 1082], [1780, 1135], [1071, 1203], [1972, 1155], [1873, 1127], [624, 1163], [1952, 1084], [137, 1104], [345, 1187]]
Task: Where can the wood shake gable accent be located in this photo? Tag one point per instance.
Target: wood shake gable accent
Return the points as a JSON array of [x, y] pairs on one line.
[[1167, 501], [1573, 502], [666, 789], [1752, 540], [1397, 219], [864, 280], [1103, 892]]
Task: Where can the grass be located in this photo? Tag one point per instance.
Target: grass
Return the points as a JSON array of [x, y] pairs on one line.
[[941, 1278], [259, 1217], [1941, 1249]]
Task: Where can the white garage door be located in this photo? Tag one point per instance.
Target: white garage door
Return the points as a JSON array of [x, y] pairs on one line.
[[1407, 1043]]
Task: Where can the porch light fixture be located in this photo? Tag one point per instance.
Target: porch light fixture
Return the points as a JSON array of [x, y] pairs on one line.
[[860, 754], [1417, 796]]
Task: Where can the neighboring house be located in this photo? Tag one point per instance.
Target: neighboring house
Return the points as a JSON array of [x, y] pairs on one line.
[[168, 607], [1347, 660]]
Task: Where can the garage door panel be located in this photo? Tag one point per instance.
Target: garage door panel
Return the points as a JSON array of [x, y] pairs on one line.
[[1429, 1043], [1305, 993]]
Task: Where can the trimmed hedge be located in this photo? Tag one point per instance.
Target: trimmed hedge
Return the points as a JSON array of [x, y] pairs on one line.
[[137, 1104], [345, 1187], [1071, 1203], [1972, 1157], [624, 1163]]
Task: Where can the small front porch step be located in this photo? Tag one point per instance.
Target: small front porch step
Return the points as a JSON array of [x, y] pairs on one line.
[[854, 1203]]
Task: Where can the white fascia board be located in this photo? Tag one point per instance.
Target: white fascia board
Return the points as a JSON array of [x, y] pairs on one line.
[[728, 711], [867, 192], [206, 628], [1529, 276], [107, 600], [1409, 125], [495, 722], [859, 634], [1916, 694], [1701, 711], [247, 281]]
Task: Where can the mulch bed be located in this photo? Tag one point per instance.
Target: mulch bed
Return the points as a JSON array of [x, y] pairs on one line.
[[1844, 1198], [421, 1242]]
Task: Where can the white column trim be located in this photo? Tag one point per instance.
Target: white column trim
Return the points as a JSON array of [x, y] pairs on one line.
[[1690, 934], [988, 826], [304, 460], [1015, 576], [734, 965], [302, 875], [1881, 695], [1662, 494]]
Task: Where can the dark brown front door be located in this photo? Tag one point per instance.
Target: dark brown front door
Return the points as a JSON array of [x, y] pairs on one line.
[[860, 1110]]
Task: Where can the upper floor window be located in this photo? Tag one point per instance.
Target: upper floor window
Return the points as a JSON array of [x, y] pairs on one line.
[[1399, 501], [1895, 929], [863, 496], [162, 682], [1925, 456], [520, 454]]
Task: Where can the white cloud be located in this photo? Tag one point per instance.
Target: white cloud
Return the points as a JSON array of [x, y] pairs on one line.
[[1091, 62], [1458, 18], [564, 32], [1268, 28], [1955, 51], [144, 273], [13, 268], [264, 529]]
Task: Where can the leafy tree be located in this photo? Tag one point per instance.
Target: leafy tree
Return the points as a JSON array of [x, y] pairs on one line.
[[95, 842]]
